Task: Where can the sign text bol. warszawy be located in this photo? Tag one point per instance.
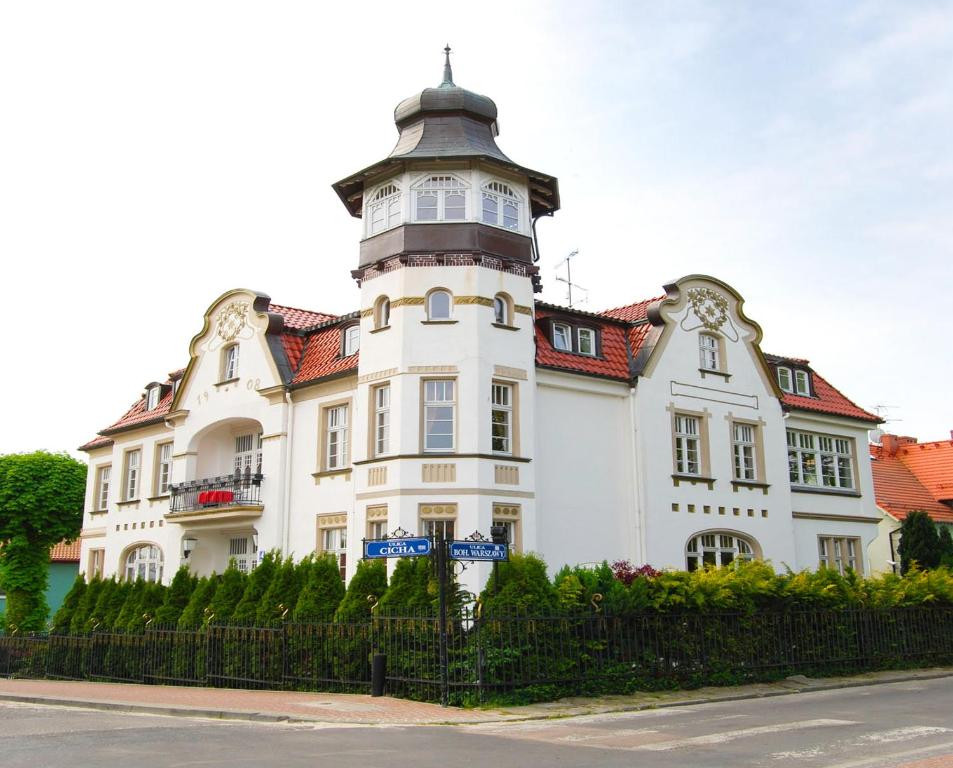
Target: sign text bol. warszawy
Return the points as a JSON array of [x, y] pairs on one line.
[[478, 550], [409, 547]]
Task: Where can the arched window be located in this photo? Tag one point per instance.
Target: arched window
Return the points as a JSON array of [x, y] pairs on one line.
[[440, 198], [383, 209], [501, 205], [502, 309], [382, 312], [717, 548], [439, 305], [144, 562]]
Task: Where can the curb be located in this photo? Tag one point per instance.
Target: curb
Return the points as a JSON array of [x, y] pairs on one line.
[[271, 717]]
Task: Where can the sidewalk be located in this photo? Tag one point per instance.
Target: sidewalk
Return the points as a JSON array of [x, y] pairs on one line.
[[353, 709]]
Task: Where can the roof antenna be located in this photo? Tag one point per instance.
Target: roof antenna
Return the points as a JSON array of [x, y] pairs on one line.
[[568, 278], [447, 72]]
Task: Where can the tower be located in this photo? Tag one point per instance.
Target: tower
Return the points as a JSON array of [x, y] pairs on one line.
[[447, 366]]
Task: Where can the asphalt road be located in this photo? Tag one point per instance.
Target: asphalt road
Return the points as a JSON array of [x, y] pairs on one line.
[[907, 724]]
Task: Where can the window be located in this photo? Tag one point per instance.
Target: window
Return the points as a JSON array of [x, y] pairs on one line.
[[585, 341], [716, 549], [163, 468], [502, 309], [439, 414], [383, 209], [508, 516], [334, 541], [784, 379], [501, 418], [241, 550], [382, 312], [743, 448], [152, 398], [562, 337], [440, 198], [133, 460], [336, 437], [382, 420], [352, 340], [439, 304], [102, 487], [94, 569], [145, 563], [820, 460], [709, 352], [377, 522], [687, 445], [839, 553], [230, 363], [501, 206], [248, 454], [802, 383]]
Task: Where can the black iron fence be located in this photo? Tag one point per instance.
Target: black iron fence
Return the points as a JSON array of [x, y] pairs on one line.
[[499, 657], [242, 488]]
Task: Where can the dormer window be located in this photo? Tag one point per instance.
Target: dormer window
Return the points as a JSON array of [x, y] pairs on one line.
[[794, 381], [785, 380], [585, 341], [802, 383], [352, 340], [501, 206], [562, 338], [439, 304], [579, 339], [383, 209], [152, 397], [230, 363], [440, 198]]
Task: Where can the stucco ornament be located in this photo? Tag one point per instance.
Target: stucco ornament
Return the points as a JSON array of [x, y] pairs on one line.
[[232, 320], [710, 310]]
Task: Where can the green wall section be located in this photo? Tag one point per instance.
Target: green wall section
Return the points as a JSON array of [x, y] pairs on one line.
[[62, 576]]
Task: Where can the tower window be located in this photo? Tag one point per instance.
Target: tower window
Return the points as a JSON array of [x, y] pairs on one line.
[[439, 303], [501, 206], [502, 309], [382, 312], [440, 198], [383, 210]]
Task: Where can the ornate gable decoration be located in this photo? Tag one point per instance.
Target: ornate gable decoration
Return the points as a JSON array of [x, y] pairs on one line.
[[232, 320], [710, 310]]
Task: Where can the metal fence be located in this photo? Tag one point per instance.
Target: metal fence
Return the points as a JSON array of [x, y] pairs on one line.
[[239, 489], [498, 657]]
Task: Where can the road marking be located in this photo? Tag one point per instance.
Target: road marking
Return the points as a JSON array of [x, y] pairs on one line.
[[904, 734], [726, 736], [614, 734], [933, 750]]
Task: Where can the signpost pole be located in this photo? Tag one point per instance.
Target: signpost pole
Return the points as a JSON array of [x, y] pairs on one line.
[[443, 566]]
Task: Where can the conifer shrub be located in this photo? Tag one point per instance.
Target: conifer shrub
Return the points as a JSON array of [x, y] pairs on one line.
[[116, 602], [919, 542], [97, 616], [411, 590], [194, 615], [130, 606], [322, 590], [230, 591], [85, 607], [153, 596], [176, 598], [257, 585], [281, 597], [352, 659], [369, 581]]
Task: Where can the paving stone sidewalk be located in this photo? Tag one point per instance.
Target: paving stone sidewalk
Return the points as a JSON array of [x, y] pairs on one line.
[[354, 709]]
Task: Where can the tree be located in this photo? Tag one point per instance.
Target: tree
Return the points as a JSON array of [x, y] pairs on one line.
[[176, 598], [370, 580], [258, 583], [64, 615], [919, 542], [229, 592], [946, 546], [193, 616], [282, 594], [322, 591], [41, 503]]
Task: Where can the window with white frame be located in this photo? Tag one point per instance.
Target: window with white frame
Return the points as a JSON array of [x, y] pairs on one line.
[[839, 553], [240, 550], [383, 209], [439, 305], [230, 363], [562, 338], [163, 468], [439, 414], [352, 340], [802, 383], [687, 445], [824, 461], [335, 445], [377, 521], [144, 563], [334, 541], [501, 418], [152, 398], [133, 472], [433, 523], [508, 516], [382, 420], [785, 381], [717, 549], [743, 451], [102, 487], [502, 314], [585, 341], [382, 312], [95, 562], [440, 198], [247, 459], [709, 352], [501, 205]]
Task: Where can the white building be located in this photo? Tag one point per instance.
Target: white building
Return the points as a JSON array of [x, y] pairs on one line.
[[452, 400]]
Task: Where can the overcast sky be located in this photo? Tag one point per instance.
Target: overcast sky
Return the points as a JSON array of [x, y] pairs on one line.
[[155, 155]]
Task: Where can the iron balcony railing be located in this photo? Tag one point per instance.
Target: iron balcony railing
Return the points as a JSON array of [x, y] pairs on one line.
[[240, 489]]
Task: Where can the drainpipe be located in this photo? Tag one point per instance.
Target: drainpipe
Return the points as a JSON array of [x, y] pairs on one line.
[[638, 486], [288, 475]]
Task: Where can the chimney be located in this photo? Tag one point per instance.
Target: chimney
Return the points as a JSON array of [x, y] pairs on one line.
[[892, 443]]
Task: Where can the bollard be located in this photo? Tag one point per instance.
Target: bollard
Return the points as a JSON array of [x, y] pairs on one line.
[[378, 674]]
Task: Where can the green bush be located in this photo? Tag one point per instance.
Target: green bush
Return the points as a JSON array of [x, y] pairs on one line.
[[176, 598], [194, 615], [63, 616], [247, 609], [322, 591], [229, 593], [282, 594]]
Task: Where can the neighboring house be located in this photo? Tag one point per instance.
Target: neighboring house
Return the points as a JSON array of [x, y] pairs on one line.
[[64, 565], [911, 476], [451, 400]]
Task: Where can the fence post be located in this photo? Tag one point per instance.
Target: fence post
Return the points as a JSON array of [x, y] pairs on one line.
[[378, 674]]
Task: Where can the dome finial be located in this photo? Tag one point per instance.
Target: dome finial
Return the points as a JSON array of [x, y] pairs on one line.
[[447, 72]]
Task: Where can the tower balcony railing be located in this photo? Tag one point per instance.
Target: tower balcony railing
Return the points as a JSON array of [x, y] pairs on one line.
[[243, 489]]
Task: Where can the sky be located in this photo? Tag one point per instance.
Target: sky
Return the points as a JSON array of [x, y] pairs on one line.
[[156, 155]]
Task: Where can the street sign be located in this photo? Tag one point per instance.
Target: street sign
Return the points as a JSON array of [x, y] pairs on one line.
[[478, 550], [415, 546]]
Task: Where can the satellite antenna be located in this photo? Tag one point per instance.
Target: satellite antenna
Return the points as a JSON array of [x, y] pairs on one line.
[[875, 436], [568, 278]]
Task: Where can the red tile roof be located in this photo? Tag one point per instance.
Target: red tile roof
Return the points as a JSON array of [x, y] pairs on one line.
[[632, 313], [322, 356], [828, 399], [899, 490], [613, 364], [65, 553], [294, 346], [932, 463], [299, 318]]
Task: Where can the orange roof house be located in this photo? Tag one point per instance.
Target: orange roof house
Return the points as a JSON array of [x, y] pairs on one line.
[[909, 475]]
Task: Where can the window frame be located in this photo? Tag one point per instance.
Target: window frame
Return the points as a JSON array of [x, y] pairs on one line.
[[432, 516], [230, 362], [503, 310], [591, 333], [101, 492], [508, 411], [502, 195], [336, 437], [132, 474], [245, 561], [456, 187], [714, 543], [428, 404], [388, 199], [152, 564], [350, 340], [831, 456], [95, 563], [381, 419], [682, 440], [510, 515], [710, 354], [740, 457], [375, 521], [332, 529], [152, 397], [382, 313], [564, 330], [789, 388], [837, 552], [248, 460], [802, 383], [432, 317], [163, 479]]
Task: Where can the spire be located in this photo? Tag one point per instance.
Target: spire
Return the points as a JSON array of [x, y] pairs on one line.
[[447, 72]]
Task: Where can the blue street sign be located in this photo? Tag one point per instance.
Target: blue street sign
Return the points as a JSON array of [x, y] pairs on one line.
[[409, 547], [478, 550]]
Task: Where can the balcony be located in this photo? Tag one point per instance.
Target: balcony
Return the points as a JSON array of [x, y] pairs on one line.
[[230, 497]]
